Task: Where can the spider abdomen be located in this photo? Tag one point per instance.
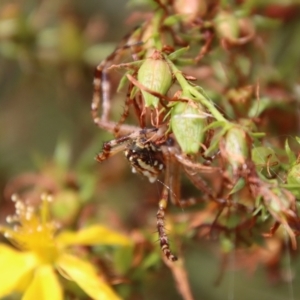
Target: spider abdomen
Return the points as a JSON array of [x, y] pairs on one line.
[[145, 158]]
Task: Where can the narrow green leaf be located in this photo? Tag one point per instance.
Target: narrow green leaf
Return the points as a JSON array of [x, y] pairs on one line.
[[289, 152], [238, 186]]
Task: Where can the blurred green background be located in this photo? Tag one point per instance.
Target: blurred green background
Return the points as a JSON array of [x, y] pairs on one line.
[[48, 52]]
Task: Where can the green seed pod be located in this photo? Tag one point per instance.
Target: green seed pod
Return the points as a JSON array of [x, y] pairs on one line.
[[155, 75], [227, 26], [66, 206], [190, 9], [188, 120], [234, 29], [237, 147]]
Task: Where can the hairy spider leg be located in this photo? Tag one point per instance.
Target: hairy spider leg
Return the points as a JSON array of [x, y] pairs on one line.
[[115, 146], [121, 144], [185, 161], [101, 82], [102, 89], [124, 129], [160, 216], [174, 180], [191, 170], [125, 113], [174, 184], [112, 147]]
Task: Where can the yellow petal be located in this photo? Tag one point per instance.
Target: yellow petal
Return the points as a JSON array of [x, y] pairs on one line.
[[85, 275], [93, 235], [15, 266], [44, 286]]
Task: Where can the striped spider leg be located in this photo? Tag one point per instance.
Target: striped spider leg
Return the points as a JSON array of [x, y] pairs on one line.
[[162, 207], [141, 150], [101, 83]]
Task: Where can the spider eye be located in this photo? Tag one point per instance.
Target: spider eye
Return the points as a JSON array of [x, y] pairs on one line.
[[170, 142]]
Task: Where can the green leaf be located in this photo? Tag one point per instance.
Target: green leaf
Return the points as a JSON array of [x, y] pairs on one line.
[[123, 81], [122, 258], [289, 152], [257, 135], [238, 186], [153, 259], [178, 53], [260, 106], [294, 188], [293, 178], [214, 145], [172, 20], [215, 124]]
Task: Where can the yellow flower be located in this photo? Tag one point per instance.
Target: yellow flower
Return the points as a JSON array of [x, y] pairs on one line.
[[32, 270]]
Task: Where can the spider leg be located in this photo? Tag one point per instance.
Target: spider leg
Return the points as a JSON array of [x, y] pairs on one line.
[[163, 238], [160, 216], [194, 165], [111, 148], [102, 89], [115, 146], [138, 107], [199, 183], [174, 184], [125, 111], [110, 127], [174, 180], [120, 144], [101, 93]]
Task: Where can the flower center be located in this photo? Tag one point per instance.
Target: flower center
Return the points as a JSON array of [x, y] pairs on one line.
[[32, 229]]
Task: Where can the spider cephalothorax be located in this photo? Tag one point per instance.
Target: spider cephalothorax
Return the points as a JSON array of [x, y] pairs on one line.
[[144, 155]]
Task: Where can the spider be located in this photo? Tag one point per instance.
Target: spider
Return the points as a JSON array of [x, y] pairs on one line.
[[146, 158], [150, 151], [101, 82]]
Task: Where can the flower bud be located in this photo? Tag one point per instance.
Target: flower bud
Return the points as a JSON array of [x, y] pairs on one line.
[[187, 123], [66, 206], [190, 9], [237, 147], [234, 30], [155, 75], [227, 26]]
